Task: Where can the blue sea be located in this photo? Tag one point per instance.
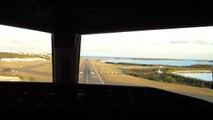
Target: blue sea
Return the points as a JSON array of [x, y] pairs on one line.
[[202, 76]]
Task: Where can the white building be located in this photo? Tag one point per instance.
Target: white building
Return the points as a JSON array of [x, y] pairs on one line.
[[159, 71]]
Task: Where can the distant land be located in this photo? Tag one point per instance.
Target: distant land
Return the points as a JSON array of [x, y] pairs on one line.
[[25, 55], [138, 58]]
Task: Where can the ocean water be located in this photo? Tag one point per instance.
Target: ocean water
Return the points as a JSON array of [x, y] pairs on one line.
[[202, 76]]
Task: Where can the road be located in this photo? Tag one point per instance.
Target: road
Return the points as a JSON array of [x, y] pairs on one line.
[[89, 75]]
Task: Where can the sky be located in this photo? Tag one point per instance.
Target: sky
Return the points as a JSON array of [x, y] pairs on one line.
[[179, 43], [13, 39]]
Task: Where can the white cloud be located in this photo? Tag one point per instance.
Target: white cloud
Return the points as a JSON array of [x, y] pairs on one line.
[[13, 39], [173, 43]]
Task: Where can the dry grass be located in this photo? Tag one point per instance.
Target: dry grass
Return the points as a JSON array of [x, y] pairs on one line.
[[28, 77], [131, 80], [20, 64], [46, 68], [106, 71], [81, 61]]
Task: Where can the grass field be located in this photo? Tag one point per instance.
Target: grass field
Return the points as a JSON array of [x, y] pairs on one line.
[[121, 78], [20, 64], [111, 73], [28, 77], [20, 69], [45, 68]]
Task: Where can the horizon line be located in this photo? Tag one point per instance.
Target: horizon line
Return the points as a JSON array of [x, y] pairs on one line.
[[142, 57]]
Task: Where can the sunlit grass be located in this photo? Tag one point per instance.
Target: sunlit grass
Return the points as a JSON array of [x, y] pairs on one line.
[[34, 77], [20, 64], [8, 70], [131, 80], [45, 68]]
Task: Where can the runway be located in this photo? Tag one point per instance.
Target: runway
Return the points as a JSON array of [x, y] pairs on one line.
[[89, 75]]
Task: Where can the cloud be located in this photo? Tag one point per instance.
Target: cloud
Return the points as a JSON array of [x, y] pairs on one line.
[[12, 41], [203, 42], [200, 42], [179, 42]]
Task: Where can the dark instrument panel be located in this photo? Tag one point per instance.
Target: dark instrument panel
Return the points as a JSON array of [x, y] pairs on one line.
[[41, 96]]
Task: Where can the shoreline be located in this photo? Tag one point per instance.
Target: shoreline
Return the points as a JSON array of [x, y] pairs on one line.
[[143, 58], [192, 71]]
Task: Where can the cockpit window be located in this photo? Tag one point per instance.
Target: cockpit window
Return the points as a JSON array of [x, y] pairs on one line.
[[25, 55], [178, 60]]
